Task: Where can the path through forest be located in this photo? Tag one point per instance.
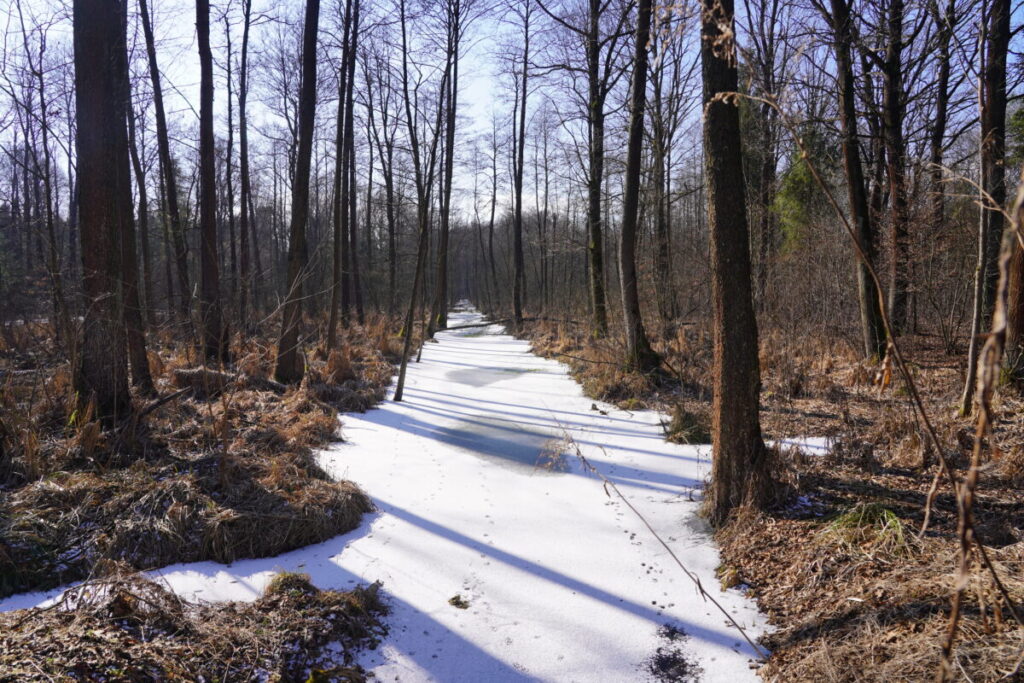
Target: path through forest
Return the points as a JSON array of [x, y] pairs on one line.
[[480, 496]]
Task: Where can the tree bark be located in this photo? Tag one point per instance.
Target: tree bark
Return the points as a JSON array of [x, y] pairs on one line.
[[214, 342], [519, 276], [872, 327], [439, 316], [740, 470], [101, 372], [595, 172], [135, 321], [245, 286], [339, 216], [639, 354], [290, 362], [895, 151], [229, 174]]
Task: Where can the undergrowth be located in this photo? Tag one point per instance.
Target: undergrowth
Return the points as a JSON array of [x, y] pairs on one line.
[[127, 628], [851, 590], [220, 466]]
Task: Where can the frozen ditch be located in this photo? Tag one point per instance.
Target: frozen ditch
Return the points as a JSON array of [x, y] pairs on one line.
[[479, 497]]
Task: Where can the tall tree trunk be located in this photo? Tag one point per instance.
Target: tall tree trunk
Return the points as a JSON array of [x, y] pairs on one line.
[[860, 215], [140, 181], [595, 172], [214, 341], [494, 208], [61, 318], [339, 208], [368, 213], [767, 218], [290, 362], [229, 174], [177, 228], [101, 372], [423, 169], [135, 315], [352, 189], [895, 151], [519, 276], [639, 354], [740, 469], [992, 100], [245, 286], [439, 316]]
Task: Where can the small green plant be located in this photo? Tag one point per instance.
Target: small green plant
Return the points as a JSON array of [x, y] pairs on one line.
[[873, 529], [631, 404]]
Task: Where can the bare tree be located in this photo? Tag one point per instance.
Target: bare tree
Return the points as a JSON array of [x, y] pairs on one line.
[[992, 103], [639, 354], [170, 180], [600, 36], [215, 342], [290, 365], [424, 163], [840, 22]]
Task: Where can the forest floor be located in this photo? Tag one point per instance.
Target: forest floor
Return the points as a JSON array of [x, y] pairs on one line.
[[853, 591], [501, 555], [218, 464]]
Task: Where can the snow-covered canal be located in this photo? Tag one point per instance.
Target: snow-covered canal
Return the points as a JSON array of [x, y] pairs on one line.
[[479, 496]]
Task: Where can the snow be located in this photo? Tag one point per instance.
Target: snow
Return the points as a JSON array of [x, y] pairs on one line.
[[808, 445], [563, 582]]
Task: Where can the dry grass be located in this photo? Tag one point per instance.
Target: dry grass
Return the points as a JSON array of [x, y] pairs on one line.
[[225, 470], [854, 595], [127, 628]]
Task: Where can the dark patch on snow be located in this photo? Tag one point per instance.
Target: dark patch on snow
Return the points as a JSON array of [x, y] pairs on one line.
[[670, 663], [481, 377], [529, 449]]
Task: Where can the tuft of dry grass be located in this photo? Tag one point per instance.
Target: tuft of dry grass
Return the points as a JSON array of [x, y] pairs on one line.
[[688, 426], [855, 596], [222, 470], [125, 627]]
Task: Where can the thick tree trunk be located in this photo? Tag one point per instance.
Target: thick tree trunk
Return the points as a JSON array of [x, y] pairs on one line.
[[740, 473], [290, 362], [101, 372], [992, 100], [639, 354]]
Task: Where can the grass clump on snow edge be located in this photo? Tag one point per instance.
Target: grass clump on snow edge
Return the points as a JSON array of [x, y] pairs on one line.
[[129, 628], [226, 470]]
